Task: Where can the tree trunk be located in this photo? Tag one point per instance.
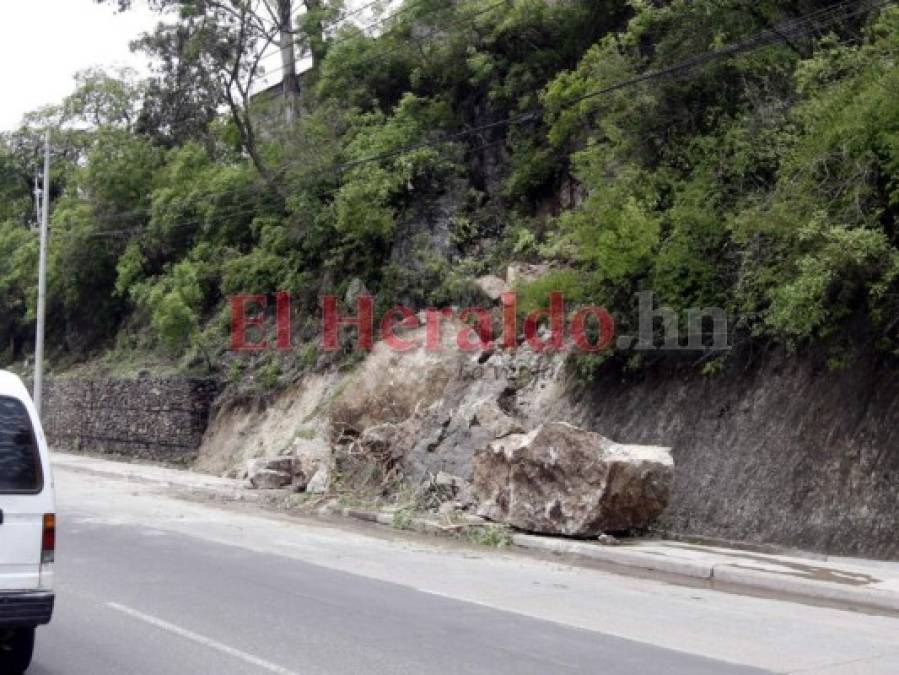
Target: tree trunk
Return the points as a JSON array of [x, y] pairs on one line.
[[290, 81], [241, 117], [316, 32]]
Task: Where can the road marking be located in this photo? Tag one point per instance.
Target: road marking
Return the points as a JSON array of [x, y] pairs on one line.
[[201, 639]]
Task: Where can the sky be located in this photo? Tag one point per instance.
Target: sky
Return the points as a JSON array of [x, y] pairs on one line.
[[43, 43]]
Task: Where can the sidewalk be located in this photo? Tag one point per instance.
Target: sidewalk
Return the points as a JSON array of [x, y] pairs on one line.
[[854, 583]]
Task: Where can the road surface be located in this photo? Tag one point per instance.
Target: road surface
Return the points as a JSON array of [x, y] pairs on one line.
[[148, 583]]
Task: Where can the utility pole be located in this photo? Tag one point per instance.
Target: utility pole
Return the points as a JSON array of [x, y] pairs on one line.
[[37, 201], [42, 282], [282, 13]]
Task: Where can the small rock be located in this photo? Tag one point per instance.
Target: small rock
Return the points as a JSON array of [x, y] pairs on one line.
[[379, 438], [328, 508], [492, 286], [382, 440], [310, 455], [444, 479], [267, 473], [525, 273], [267, 479], [281, 464], [354, 291], [320, 480], [607, 540], [488, 414], [465, 497]]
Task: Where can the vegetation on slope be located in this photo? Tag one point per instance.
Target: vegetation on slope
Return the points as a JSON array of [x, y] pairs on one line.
[[765, 182]]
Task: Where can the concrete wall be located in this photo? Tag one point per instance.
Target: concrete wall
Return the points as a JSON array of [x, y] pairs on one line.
[[155, 419], [777, 450]]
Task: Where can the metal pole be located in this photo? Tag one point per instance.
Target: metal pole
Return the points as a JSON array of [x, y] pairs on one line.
[[42, 282], [37, 201]]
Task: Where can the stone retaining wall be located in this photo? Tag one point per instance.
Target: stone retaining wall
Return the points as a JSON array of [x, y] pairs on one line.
[[779, 452], [153, 419]]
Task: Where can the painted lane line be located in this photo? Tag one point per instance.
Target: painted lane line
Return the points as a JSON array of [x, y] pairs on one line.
[[201, 639]]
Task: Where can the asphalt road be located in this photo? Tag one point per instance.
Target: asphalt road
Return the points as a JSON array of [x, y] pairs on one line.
[[148, 583], [168, 603]]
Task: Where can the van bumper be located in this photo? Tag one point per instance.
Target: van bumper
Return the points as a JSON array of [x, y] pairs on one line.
[[25, 608]]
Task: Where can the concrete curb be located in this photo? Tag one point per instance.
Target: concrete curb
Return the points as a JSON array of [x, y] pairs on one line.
[[726, 576], [620, 556], [722, 575], [865, 597]]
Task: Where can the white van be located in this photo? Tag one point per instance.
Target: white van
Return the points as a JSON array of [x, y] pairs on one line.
[[27, 526]]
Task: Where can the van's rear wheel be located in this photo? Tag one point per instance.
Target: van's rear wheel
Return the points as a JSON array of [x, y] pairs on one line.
[[16, 648]]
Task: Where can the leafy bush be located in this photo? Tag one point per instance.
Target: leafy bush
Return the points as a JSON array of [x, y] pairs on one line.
[[173, 301], [766, 183]]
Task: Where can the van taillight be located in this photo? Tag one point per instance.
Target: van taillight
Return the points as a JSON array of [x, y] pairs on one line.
[[48, 543]]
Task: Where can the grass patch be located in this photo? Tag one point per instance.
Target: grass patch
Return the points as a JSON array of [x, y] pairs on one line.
[[494, 536], [402, 519]]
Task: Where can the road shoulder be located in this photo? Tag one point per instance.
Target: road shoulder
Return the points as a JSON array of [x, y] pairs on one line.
[[871, 586]]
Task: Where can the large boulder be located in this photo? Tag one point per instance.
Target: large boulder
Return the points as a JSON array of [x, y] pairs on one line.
[[442, 405], [390, 386], [560, 479]]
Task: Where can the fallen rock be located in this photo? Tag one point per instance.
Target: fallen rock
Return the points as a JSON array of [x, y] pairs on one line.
[[460, 488], [489, 415], [283, 464], [492, 286], [465, 498], [271, 472], [560, 479], [320, 481], [444, 479], [381, 440], [354, 291], [309, 454], [266, 479], [391, 386]]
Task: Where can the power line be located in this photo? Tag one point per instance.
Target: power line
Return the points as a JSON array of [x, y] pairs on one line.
[[248, 209], [437, 29], [355, 12], [348, 15], [407, 7], [765, 38], [778, 34], [378, 55], [751, 44]]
